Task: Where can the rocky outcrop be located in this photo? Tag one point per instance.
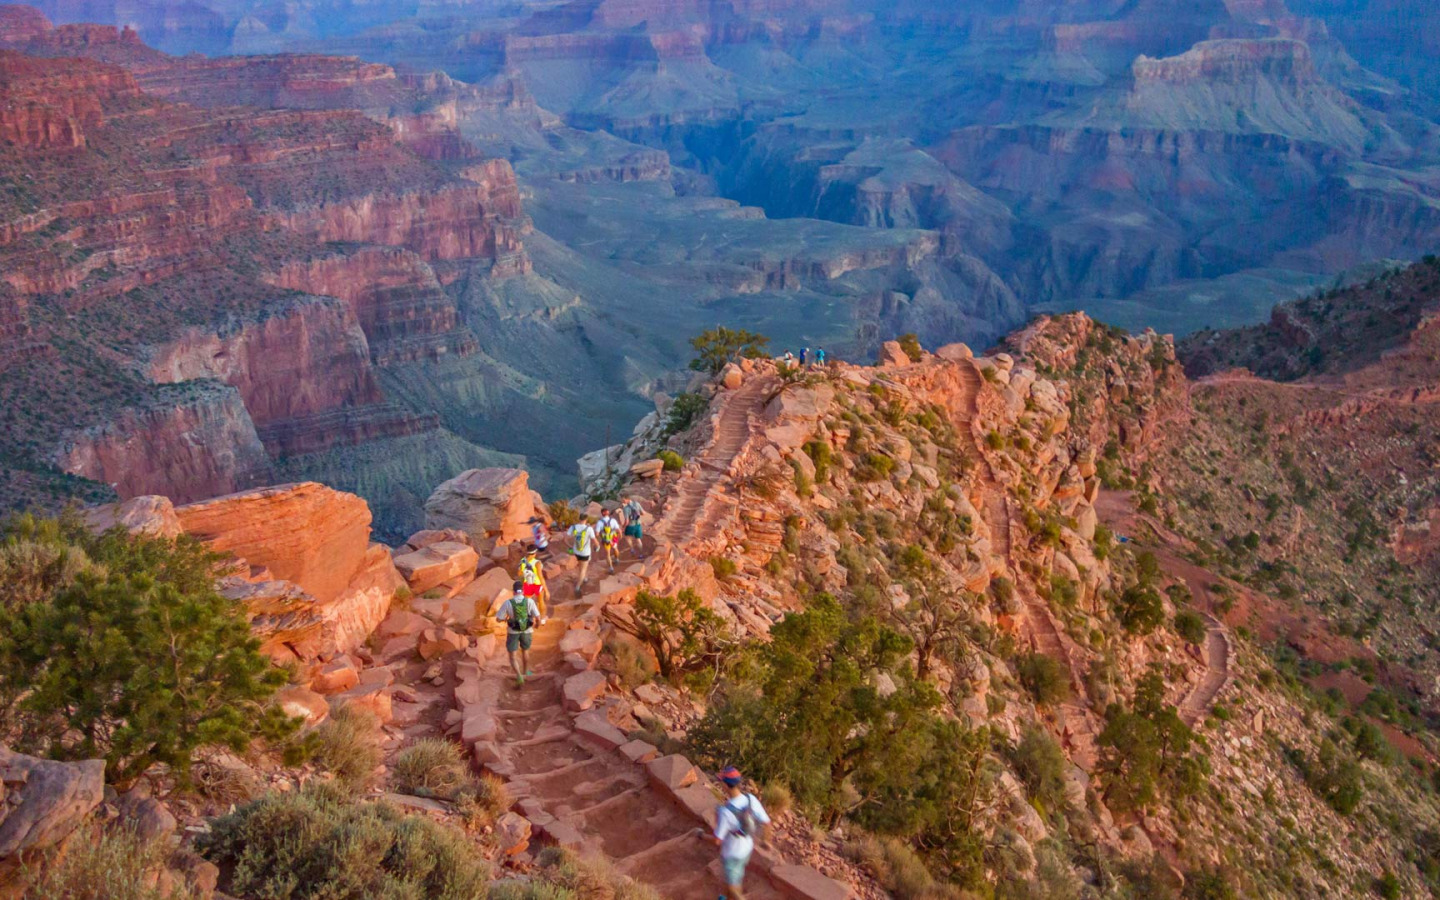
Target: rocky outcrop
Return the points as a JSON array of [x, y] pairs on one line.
[[192, 441], [153, 515], [490, 505], [44, 801], [306, 533]]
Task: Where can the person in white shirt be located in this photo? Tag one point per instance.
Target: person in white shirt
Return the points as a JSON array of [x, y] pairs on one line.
[[519, 614], [739, 821], [634, 530], [582, 544]]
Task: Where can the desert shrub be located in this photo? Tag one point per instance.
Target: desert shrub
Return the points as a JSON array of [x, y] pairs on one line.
[[101, 863], [102, 690], [673, 461], [898, 868], [480, 801], [318, 843], [717, 346], [1040, 763], [685, 410], [563, 514], [804, 487], [631, 662], [776, 798], [685, 635], [1043, 677], [874, 467], [1140, 609], [431, 767], [1207, 884], [589, 877], [822, 456], [1190, 626], [910, 343], [723, 567], [347, 745], [1333, 776]]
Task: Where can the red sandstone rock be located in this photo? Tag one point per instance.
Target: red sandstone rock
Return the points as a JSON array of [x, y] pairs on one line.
[[374, 698], [581, 691], [306, 533], [490, 505], [303, 703], [335, 676], [436, 642], [512, 833], [437, 563]]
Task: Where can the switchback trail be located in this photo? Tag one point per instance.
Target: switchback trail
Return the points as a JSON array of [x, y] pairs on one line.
[[584, 794], [693, 492]]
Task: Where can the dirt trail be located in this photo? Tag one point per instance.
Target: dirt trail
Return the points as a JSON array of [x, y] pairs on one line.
[[1118, 510], [604, 797], [686, 508]]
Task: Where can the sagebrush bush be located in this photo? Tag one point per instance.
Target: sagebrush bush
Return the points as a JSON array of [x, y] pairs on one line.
[[673, 461], [1044, 677], [481, 801], [589, 877], [776, 798], [103, 864], [432, 767], [346, 745], [319, 844], [633, 663]]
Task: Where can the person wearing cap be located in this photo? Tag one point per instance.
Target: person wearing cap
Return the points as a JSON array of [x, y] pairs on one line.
[[738, 822], [519, 614]]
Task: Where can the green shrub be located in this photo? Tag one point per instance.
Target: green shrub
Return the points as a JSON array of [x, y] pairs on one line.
[[1044, 677], [101, 863], [318, 843], [631, 662], [685, 635], [1040, 763], [718, 346], [164, 664], [1190, 626], [481, 801], [822, 456], [804, 487], [874, 467], [1140, 609], [431, 767], [723, 567], [684, 411], [347, 745], [674, 462], [563, 514], [910, 343]]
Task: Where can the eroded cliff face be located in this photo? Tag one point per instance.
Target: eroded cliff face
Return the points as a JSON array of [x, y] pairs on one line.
[[191, 441]]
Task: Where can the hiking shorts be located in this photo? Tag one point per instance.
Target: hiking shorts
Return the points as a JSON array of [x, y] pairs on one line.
[[636, 531], [585, 558], [518, 640], [735, 869], [531, 590]]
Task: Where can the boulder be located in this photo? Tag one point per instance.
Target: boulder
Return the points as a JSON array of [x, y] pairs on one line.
[[647, 468], [581, 691], [490, 505], [731, 377], [288, 621], [955, 352], [436, 642], [303, 703], [45, 800], [359, 610], [512, 833], [596, 728], [672, 773], [335, 676], [422, 539], [305, 533], [372, 697], [152, 515], [638, 751], [435, 564], [146, 816], [585, 643], [891, 356]]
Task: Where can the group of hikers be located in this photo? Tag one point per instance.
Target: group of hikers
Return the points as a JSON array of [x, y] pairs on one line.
[[806, 358], [529, 603], [741, 819]]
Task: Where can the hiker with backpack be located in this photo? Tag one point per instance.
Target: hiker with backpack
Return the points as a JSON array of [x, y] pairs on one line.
[[609, 530], [540, 536], [634, 530], [739, 822], [519, 614], [532, 575], [582, 546]]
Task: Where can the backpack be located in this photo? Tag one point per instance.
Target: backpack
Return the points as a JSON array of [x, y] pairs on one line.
[[632, 512], [582, 540], [749, 825], [530, 571], [519, 613], [608, 532]]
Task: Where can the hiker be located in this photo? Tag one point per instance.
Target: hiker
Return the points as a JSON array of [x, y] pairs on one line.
[[820, 357], [540, 536], [634, 530], [804, 352], [739, 821], [532, 574], [582, 545], [519, 614], [788, 357], [609, 529]]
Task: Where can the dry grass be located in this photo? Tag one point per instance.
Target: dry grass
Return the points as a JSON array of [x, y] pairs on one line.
[[104, 864], [432, 767], [347, 746]]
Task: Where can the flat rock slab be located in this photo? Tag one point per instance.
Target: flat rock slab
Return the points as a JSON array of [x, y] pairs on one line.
[[435, 564], [585, 643], [594, 726], [372, 697], [639, 751], [699, 801], [581, 691], [672, 773], [804, 883]]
